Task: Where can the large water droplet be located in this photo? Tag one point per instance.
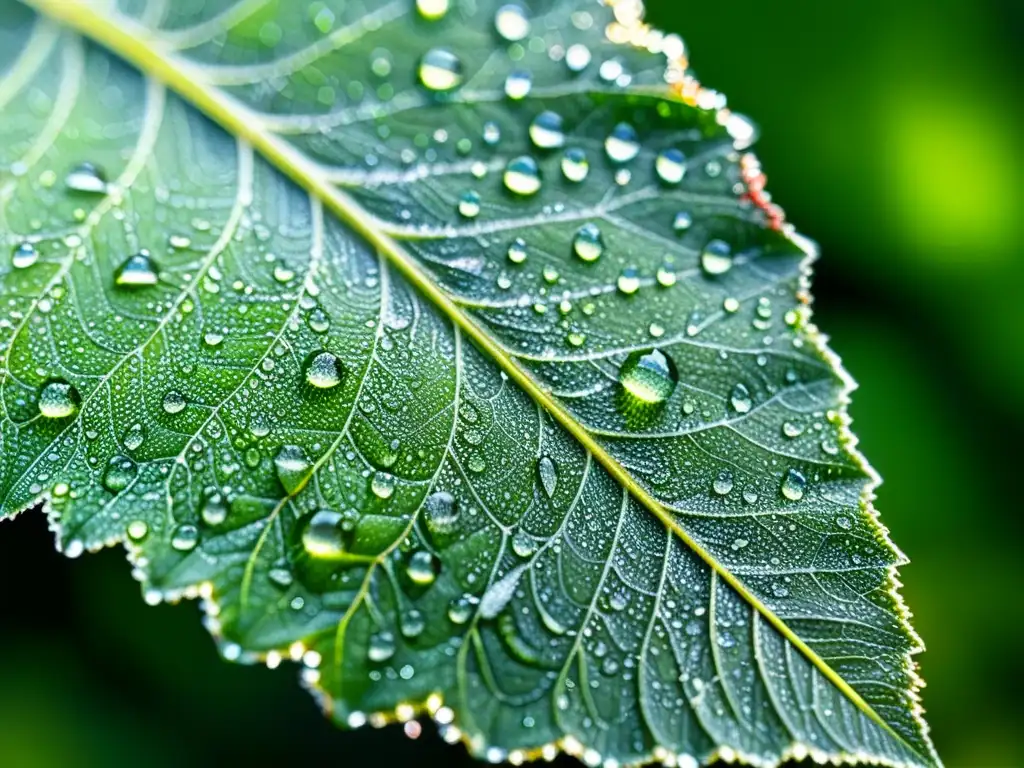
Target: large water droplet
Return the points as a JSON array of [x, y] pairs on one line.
[[174, 402], [58, 399], [24, 256], [649, 376], [422, 568], [575, 165], [215, 510], [432, 9], [86, 178], [587, 242], [716, 258], [546, 130], [382, 485], [512, 23], [548, 474], [292, 467], [119, 474], [323, 535], [185, 537], [137, 270], [324, 370], [740, 399], [518, 84], [622, 144], [381, 647], [670, 166], [793, 485], [440, 70], [522, 176], [442, 512]]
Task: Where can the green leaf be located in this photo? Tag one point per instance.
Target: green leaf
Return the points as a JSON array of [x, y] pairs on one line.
[[455, 352]]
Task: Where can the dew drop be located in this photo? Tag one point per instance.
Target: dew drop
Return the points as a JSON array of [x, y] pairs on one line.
[[629, 281], [491, 133], [174, 402], [575, 165], [666, 275], [440, 70], [413, 623], [512, 23], [522, 176], [723, 483], [517, 251], [740, 399], [432, 10], [670, 166], [185, 537], [460, 609], [577, 57], [682, 221], [793, 485], [622, 144], [382, 485], [324, 370], [469, 204], [548, 475], [422, 568], [119, 474], [134, 437], [137, 530], [24, 256], [292, 466], [58, 399], [323, 535], [649, 376], [136, 271], [319, 322], [442, 512], [381, 647], [587, 242], [86, 178], [716, 258], [214, 511], [518, 84], [546, 131], [523, 544]]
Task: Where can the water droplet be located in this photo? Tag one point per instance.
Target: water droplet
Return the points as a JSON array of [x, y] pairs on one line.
[[523, 544], [442, 512], [491, 133], [318, 321], [716, 258], [422, 568], [58, 399], [137, 530], [518, 84], [575, 165], [174, 402], [577, 57], [522, 176], [793, 485], [440, 70], [546, 130], [432, 10], [292, 467], [185, 537], [179, 242], [134, 437], [740, 399], [119, 474], [512, 23], [731, 305], [460, 609], [629, 281], [517, 251], [413, 623], [670, 166], [622, 144], [381, 647], [587, 242], [649, 376], [666, 275], [215, 511], [469, 204], [86, 178], [682, 222], [324, 370], [791, 429], [382, 485], [723, 483], [323, 535], [137, 270], [548, 475], [24, 256]]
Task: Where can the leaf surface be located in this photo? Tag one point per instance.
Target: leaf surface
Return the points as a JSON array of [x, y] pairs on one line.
[[455, 352]]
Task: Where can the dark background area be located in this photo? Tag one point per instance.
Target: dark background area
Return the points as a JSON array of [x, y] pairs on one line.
[[890, 134]]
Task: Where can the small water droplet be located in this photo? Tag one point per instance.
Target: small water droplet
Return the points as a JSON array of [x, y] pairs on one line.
[[382, 485], [381, 647], [174, 402], [666, 275], [422, 568], [24, 256], [716, 258], [119, 474], [682, 221], [518, 84], [58, 399], [323, 535], [793, 485], [469, 204], [517, 251], [670, 166], [215, 510], [491, 133], [136, 271], [629, 281], [137, 530], [134, 437], [522, 176], [512, 23], [577, 57], [649, 376], [791, 429], [723, 483], [442, 512], [587, 242], [548, 475], [185, 537], [179, 242], [575, 165], [546, 130], [324, 370], [622, 144], [460, 609], [523, 544], [292, 467], [740, 399], [440, 70], [86, 178]]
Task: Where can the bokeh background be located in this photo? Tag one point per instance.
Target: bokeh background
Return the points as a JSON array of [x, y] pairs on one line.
[[890, 134]]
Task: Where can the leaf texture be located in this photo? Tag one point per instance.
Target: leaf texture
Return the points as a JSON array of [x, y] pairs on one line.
[[455, 352]]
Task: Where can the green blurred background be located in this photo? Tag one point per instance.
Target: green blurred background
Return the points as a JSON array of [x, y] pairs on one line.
[[890, 135]]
